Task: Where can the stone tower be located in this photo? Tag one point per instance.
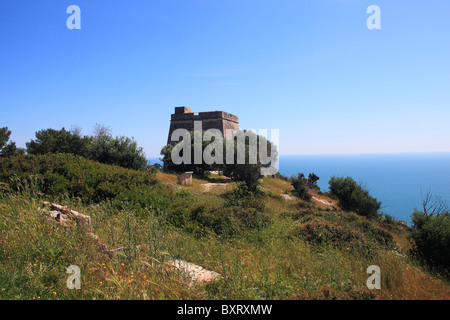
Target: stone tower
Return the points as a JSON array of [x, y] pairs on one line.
[[184, 118]]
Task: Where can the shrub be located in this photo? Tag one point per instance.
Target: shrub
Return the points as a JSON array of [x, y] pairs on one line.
[[78, 177], [245, 167], [353, 197], [431, 234], [189, 161], [202, 220], [281, 177], [221, 222], [388, 219], [241, 196], [8, 149], [312, 179], [122, 151], [57, 141], [373, 232], [319, 231], [300, 189], [251, 218], [243, 211], [249, 172], [319, 226]]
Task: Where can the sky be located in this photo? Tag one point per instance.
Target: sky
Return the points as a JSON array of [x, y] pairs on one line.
[[310, 68]]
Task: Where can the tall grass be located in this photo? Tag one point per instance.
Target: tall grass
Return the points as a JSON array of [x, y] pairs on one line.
[[35, 253], [268, 262]]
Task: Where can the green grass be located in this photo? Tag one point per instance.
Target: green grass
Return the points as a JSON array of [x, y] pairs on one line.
[[304, 251]]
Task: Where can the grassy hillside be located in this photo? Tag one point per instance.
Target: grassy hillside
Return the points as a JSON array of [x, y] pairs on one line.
[[267, 246]]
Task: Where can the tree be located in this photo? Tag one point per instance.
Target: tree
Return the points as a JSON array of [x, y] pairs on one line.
[[247, 162], [300, 189], [102, 131], [122, 151], [198, 168], [353, 197], [434, 206], [4, 136], [8, 149], [11, 150], [101, 147], [56, 141], [75, 130], [431, 231], [312, 179]]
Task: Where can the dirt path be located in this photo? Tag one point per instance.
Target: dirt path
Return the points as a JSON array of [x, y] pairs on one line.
[[325, 202], [221, 183], [208, 186], [322, 201]]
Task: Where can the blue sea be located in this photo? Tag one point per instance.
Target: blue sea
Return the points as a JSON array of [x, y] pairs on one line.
[[397, 180]]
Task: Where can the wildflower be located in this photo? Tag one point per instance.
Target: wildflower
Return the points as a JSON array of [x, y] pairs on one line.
[[54, 293]]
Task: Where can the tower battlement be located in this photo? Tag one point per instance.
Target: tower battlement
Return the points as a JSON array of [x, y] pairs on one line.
[[184, 118]]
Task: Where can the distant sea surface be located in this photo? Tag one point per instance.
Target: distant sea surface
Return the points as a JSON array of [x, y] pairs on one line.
[[397, 180]]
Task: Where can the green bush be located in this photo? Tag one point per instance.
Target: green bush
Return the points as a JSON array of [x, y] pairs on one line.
[[251, 218], [353, 197], [57, 141], [339, 229], [197, 168], [245, 167], [431, 235], [320, 231], [221, 221], [242, 212], [281, 177], [241, 196], [300, 189], [103, 148], [8, 149], [312, 179], [78, 177], [375, 233], [122, 151]]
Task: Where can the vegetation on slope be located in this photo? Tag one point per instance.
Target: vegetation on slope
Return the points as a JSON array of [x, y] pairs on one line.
[[266, 245], [101, 147]]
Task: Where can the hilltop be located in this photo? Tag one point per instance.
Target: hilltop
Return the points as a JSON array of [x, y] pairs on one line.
[[265, 245]]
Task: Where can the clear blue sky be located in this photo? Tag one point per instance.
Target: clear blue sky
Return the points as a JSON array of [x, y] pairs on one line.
[[311, 69]]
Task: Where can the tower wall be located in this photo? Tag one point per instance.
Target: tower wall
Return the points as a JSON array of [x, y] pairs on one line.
[[184, 118]]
